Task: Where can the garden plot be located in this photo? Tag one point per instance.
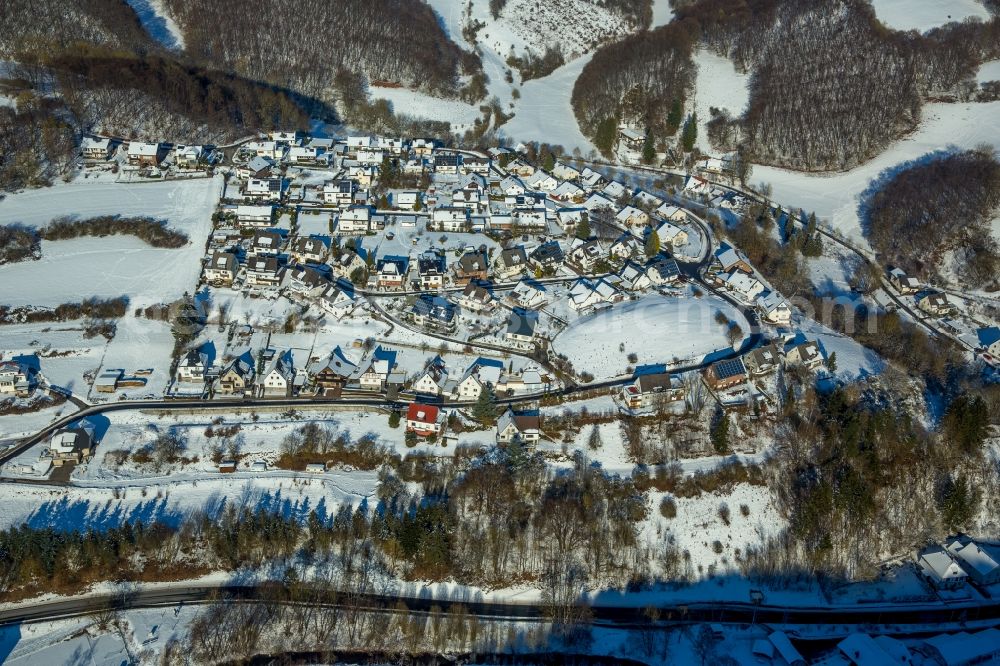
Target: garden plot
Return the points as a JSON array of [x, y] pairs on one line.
[[657, 329], [65, 357]]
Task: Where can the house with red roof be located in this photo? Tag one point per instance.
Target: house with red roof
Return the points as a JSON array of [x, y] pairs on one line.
[[422, 419]]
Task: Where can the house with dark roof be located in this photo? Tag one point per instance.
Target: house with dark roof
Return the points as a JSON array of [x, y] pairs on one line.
[[521, 427], [726, 374], [331, 374], [652, 388], [472, 265], [434, 312], [521, 325], [547, 256]]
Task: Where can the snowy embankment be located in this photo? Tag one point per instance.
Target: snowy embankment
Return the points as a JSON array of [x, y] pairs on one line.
[[922, 15], [657, 329], [74, 269], [160, 25], [718, 85], [835, 197]]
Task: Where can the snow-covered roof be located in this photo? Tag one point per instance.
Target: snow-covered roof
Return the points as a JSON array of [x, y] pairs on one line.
[[973, 555], [940, 566], [965, 648]]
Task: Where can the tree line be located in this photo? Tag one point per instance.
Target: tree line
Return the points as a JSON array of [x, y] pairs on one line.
[[939, 203], [301, 45]]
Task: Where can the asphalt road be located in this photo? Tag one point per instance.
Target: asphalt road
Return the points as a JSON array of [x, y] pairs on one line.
[[617, 614]]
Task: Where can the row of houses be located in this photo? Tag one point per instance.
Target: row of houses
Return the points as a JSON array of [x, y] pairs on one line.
[[525, 428], [144, 154], [731, 270], [764, 360]]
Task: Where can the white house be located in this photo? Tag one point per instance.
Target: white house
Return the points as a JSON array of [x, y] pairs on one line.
[[671, 235], [631, 216], [356, 219], [335, 301], [671, 213], [191, 368], [433, 378], [94, 148], [264, 189], [527, 295], [222, 268], [14, 378], [774, 308], [452, 219], [744, 285], [522, 428], [254, 215], [940, 569]]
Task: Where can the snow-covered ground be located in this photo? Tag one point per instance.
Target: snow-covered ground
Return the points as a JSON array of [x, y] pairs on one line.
[[989, 71], [420, 105], [74, 269], [835, 197], [718, 85], [657, 329], [922, 15], [663, 13], [160, 25], [544, 112]]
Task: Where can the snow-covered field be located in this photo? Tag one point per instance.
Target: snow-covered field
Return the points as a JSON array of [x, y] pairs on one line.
[[718, 85], [544, 112], [922, 15], [989, 71], [74, 269], [657, 329], [663, 13], [835, 197], [420, 105]]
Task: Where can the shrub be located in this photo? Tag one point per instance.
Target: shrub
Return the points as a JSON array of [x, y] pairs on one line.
[[668, 508]]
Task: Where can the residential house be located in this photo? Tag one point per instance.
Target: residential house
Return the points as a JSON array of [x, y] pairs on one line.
[[569, 218], [311, 249], [377, 369], [981, 561], [435, 312], [528, 295], [423, 147], [270, 149], [254, 215], [725, 374], [469, 199], [279, 377], [238, 377], [512, 186], [95, 148], [962, 648], [547, 257], [597, 200], [451, 219], [422, 419], [335, 301], [476, 298], [363, 174], [346, 263], [340, 193], [630, 216], [356, 219], [730, 259], [471, 266], [191, 368], [671, 235], [614, 190], [647, 201], [626, 247], [433, 378], [431, 269], [584, 255], [222, 268], [774, 308], [565, 172], [72, 445], [370, 157], [256, 167], [520, 427], [263, 189], [592, 179], [567, 192], [521, 325], [633, 277], [15, 379], [145, 154], [541, 182], [406, 200], [940, 568], [806, 354], [663, 270], [936, 305], [475, 164], [264, 272], [189, 157], [586, 294], [511, 263], [747, 287], [307, 280], [268, 242], [310, 154], [903, 283], [331, 375], [447, 163], [671, 213], [989, 340], [391, 272], [649, 390], [763, 360]]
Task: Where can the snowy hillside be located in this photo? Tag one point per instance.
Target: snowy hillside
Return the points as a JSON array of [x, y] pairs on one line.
[[922, 15]]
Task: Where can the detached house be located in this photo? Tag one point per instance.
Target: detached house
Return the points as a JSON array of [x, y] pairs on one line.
[[936, 305], [521, 325], [547, 257], [340, 193], [263, 189], [471, 266], [626, 246], [722, 375], [763, 360], [903, 283], [447, 163], [15, 379], [433, 378], [335, 301], [476, 298], [938, 566], [264, 272], [391, 272], [222, 268], [192, 367], [313, 249], [422, 419], [662, 270], [267, 243], [774, 308], [237, 378], [431, 269], [806, 354], [649, 389], [254, 216], [452, 219], [511, 263], [95, 149], [377, 369], [747, 287], [527, 295], [671, 235], [145, 154], [584, 255], [523, 428], [729, 259], [434, 312], [331, 374], [279, 377], [630, 216], [356, 219]]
